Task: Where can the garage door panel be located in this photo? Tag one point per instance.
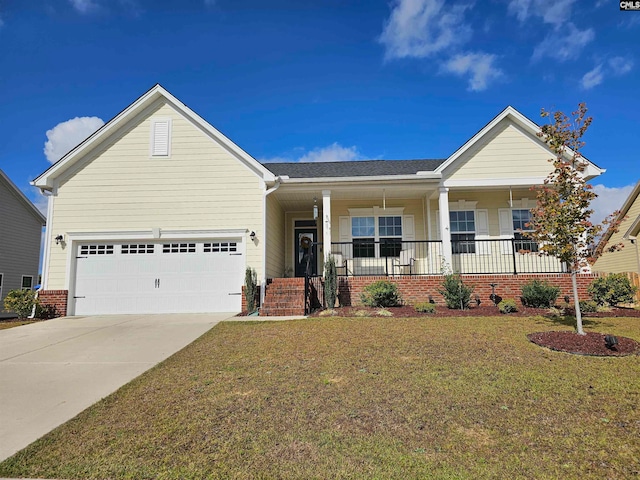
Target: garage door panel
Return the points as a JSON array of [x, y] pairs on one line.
[[174, 277]]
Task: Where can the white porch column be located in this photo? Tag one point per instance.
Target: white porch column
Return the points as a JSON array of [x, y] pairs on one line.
[[445, 231], [326, 223]]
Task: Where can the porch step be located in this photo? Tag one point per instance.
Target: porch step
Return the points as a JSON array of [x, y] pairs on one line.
[[283, 296]]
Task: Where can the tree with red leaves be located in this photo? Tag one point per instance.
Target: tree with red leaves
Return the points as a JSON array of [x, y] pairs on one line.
[[560, 222]]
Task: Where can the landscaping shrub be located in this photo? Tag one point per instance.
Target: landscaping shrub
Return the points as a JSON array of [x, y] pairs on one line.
[[508, 305], [382, 293], [539, 294], [425, 307], [20, 302], [612, 289], [250, 288], [588, 306], [45, 311], [456, 294], [330, 282]]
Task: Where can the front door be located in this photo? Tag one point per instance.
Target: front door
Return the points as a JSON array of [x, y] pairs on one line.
[[306, 250]]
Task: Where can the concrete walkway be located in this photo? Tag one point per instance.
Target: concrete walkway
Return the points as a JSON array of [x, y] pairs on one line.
[[51, 371]]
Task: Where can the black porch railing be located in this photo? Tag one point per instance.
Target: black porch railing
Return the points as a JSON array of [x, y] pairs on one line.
[[399, 257]]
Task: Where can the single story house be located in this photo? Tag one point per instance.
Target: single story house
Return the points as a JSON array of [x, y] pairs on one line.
[[20, 237], [626, 259], [158, 211]]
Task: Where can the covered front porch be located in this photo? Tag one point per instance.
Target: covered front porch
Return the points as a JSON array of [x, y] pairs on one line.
[[408, 229]]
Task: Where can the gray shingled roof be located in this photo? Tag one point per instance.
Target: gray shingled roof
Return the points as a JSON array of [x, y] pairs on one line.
[[363, 168]]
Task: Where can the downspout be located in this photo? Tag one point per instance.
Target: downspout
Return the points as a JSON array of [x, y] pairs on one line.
[[263, 283], [47, 246]]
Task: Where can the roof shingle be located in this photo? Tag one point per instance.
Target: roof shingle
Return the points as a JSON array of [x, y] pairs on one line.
[[362, 168]]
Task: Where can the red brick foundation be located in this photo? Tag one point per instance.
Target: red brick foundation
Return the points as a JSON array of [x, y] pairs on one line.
[[418, 289], [56, 299]]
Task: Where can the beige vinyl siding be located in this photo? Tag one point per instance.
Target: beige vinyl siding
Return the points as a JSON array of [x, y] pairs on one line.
[[199, 186], [505, 152], [275, 238], [20, 235], [624, 260]]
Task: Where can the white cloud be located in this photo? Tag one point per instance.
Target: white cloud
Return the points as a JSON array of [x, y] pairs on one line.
[[609, 200], [422, 28], [620, 65], [592, 78], [478, 66], [66, 135], [563, 48], [84, 6], [616, 66], [331, 153], [554, 12]]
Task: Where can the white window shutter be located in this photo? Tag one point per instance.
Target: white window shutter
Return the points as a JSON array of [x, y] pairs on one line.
[[482, 232], [506, 229], [161, 138], [345, 236], [408, 228]]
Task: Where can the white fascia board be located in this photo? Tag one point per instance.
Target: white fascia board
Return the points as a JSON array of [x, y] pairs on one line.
[[495, 182], [377, 178], [525, 123], [148, 234], [633, 230], [45, 180]]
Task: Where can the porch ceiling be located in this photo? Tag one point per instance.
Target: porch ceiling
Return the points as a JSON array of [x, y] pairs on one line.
[[292, 199]]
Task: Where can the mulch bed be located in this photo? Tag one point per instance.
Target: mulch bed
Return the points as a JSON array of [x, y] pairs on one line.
[[590, 344], [475, 311]]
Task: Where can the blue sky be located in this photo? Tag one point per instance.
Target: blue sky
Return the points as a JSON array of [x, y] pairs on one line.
[[321, 80]]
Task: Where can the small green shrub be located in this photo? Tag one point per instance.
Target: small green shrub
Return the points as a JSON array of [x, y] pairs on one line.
[[537, 294], [330, 282], [456, 294], [46, 312], [383, 312], [382, 293], [508, 305], [329, 312], [20, 302], [612, 289], [425, 307], [361, 313], [588, 306], [250, 288]]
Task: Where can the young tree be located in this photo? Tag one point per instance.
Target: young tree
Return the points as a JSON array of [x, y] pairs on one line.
[[560, 222]]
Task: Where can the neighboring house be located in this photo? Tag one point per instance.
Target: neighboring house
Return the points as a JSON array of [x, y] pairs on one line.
[[628, 258], [20, 235], [160, 212]]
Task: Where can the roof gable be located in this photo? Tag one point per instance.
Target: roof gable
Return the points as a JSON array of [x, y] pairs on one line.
[[46, 180], [509, 114], [13, 188]]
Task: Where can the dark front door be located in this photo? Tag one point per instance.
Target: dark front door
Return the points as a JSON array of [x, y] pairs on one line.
[[306, 250]]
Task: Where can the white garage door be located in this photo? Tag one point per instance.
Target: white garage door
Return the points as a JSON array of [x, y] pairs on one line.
[[159, 277]]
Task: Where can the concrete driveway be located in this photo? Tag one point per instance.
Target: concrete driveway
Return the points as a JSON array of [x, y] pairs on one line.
[[51, 371]]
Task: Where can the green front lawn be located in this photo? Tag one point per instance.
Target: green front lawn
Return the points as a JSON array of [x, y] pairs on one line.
[[361, 398]]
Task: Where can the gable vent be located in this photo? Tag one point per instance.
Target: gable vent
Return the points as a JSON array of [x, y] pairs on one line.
[[161, 131]]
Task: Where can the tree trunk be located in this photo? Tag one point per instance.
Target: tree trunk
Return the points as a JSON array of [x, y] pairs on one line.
[[576, 301]]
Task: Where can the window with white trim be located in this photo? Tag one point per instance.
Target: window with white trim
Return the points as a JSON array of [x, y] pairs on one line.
[[96, 250], [521, 219], [463, 231], [376, 236], [161, 137], [179, 248], [27, 282]]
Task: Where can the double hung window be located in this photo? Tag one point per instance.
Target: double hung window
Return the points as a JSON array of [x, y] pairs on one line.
[[463, 231], [376, 236], [521, 219]]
